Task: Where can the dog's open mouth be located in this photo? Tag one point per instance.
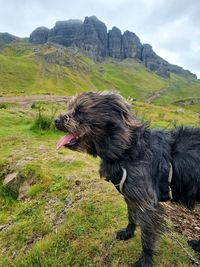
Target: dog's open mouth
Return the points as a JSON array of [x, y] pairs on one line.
[[68, 140]]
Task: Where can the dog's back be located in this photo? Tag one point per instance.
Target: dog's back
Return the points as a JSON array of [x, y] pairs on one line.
[[185, 152]]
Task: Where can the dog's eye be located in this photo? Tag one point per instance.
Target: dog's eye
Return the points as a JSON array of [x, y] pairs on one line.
[[77, 109]]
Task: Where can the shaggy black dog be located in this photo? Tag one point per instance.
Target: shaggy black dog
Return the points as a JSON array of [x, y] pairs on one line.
[[146, 166]]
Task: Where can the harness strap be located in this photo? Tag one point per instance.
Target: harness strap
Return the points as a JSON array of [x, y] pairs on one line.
[[124, 176], [170, 180]]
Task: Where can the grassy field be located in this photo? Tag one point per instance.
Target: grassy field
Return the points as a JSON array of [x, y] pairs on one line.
[[69, 216]]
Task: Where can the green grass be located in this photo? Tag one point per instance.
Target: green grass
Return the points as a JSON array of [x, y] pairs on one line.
[[129, 77], [179, 88], [18, 73], [26, 72], [70, 215], [166, 116]]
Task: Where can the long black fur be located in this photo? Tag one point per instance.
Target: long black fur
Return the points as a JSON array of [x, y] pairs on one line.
[[108, 129]]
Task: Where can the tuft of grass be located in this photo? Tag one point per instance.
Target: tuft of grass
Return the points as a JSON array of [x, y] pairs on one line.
[[7, 194], [44, 121]]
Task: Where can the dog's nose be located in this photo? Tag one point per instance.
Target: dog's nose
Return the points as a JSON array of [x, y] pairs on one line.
[[57, 120]]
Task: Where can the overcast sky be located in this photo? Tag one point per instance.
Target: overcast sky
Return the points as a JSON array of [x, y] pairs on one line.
[[172, 27]]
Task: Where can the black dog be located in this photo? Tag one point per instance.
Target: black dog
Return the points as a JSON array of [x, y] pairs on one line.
[[146, 166]]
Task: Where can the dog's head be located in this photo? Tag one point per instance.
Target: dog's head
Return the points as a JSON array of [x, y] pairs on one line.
[[99, 123]]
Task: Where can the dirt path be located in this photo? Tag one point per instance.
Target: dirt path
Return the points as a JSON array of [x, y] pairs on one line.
[[155, 95], [27, 100]]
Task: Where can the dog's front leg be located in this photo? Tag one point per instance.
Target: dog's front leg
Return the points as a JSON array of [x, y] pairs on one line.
[[128, 232], [152, 225]]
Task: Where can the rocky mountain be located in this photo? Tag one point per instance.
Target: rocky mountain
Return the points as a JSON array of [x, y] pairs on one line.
[[92, 37]]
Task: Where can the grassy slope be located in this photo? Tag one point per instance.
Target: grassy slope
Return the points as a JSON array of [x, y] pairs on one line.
[[180, 88], [70, 216], [26, 70]]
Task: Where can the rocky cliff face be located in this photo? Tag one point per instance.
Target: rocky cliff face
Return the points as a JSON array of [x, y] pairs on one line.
[[39, 35], [65, 32], [132, 48], [153, 62], [115, 43], [91, 36]]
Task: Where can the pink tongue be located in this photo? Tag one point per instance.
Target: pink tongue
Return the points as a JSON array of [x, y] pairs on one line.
[[65, 140]]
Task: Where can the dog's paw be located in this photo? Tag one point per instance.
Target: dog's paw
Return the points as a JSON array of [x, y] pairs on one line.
[[195, 244], [124, 234], [144, 261]]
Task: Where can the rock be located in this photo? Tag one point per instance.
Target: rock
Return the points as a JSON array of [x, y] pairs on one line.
[[39, 35], [149, 57], [153, 62], [16, 183], [115, 43], [159, 65], [12, 181], [163, 69], [93, 38], [65, 32], [131, 46]]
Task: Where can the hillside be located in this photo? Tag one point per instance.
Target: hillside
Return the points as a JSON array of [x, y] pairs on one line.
[[28, 69]]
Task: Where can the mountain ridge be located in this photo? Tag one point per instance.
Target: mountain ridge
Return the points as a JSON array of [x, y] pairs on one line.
[[92, 37]]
